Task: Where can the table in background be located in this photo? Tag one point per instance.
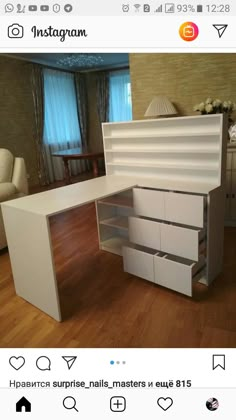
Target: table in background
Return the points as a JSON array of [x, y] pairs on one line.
[[75, 154]]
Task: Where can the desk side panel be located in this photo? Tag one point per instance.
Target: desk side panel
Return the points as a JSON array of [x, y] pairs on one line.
[[29, 244], [215, 233]]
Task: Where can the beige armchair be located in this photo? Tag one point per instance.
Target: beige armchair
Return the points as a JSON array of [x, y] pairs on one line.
[[13, 183]]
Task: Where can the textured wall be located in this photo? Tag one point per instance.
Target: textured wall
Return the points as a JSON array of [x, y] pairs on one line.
[[16, 113], [186, 79]]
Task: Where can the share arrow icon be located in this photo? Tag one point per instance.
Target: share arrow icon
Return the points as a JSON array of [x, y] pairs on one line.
[[220, 29], [70, 360]]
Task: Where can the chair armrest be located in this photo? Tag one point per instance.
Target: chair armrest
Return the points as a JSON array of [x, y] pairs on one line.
[[19, 176]]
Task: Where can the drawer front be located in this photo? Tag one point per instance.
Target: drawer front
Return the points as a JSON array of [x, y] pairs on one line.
[[180, 241], [184, 208], [173, 275], [149, 203], [138, 263], [144, 232]]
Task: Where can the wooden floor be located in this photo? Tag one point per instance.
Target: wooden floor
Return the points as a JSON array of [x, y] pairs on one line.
[[105, 307]]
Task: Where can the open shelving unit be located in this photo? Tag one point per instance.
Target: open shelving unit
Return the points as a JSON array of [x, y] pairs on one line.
[[112, 215], [170, 148]]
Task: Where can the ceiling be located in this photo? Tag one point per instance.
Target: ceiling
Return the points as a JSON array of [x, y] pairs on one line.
[[78, 62]]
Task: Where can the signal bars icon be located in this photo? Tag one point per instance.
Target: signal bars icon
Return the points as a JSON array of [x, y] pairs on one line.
[[159, 9]]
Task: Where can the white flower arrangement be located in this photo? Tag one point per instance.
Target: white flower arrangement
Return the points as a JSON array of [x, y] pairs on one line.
[[215, 106]]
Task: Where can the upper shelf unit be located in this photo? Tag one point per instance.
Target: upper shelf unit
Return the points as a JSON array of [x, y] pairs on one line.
[[184, 148]]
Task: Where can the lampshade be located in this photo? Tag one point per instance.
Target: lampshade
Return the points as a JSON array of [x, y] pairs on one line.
[[160, 105]]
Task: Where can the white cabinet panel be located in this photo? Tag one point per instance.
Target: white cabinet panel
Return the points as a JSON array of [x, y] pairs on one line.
[[144, 232], [180, 241], [138, 262], [184, 208], [174, 273], [149, 203]]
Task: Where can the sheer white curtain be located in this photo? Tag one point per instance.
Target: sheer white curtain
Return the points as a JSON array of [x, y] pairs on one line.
[[61, 124], [120, 105]]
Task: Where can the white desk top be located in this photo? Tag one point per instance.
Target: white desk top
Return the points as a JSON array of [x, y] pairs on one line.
[[60, 199]]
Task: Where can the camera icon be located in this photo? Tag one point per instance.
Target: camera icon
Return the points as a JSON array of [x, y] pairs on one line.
[[15, 31]]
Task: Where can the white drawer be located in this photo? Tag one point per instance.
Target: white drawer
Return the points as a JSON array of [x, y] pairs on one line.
[[139, 261], [176, 273], [144, 232], [149, 203], [181, 241], [184, 208]]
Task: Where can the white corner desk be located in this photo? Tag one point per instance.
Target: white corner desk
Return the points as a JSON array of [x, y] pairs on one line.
[[160, 206]]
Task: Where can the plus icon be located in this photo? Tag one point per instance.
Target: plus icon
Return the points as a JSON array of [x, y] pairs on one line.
[[118, 404]]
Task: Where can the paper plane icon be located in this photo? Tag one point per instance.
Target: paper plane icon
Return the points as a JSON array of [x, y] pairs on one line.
[[70, 360], [221, 29]]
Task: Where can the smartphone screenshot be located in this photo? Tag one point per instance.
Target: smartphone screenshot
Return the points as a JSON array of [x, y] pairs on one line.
[[117, 209]]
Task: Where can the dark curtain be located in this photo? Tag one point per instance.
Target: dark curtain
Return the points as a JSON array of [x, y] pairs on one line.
[[103, 96], [82, 104], [38, 99]]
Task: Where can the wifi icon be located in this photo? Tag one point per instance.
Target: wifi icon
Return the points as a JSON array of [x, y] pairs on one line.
[[137, 7]]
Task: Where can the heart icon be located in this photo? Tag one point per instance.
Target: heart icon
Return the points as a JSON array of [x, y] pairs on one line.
[[17, 362], [165, 403]]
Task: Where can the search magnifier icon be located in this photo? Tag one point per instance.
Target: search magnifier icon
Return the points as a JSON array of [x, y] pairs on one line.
[[70, 403]]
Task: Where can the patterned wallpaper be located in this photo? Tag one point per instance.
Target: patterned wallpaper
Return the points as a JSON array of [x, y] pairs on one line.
[[16, 113], [186, 79]]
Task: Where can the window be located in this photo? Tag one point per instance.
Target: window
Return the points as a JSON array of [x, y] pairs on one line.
[[61, 124], [120, 105]]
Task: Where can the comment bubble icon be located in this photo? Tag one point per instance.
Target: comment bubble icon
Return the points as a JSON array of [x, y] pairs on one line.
[[43, 363]]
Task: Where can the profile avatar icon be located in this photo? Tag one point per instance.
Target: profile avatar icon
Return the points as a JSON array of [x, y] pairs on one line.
[[212, 404]]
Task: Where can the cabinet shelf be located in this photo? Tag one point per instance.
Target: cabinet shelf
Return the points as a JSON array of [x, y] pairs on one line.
[[181, 166], [164, 135], [114, 244], [118, 201], [120, 222], [168, 150]]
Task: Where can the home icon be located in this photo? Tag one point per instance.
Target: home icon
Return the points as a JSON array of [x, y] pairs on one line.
[[23, 405]]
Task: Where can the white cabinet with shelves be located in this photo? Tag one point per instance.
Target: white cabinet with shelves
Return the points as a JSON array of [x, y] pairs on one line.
[[176, 148], [173, 234]]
